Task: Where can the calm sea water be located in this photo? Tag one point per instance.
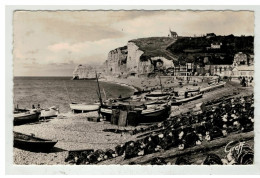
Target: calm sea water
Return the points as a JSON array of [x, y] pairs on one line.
[[51, 91]]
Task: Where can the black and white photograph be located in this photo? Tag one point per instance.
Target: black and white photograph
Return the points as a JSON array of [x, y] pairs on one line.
[[133, 87]]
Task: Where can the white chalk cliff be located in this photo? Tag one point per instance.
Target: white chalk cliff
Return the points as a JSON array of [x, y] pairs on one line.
[[127, 60], [83, 72], [116, 61]]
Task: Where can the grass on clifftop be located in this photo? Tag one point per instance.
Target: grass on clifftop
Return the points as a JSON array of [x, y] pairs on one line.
[[153, 46]]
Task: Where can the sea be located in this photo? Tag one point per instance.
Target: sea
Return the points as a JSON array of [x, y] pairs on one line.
[[61, 91]]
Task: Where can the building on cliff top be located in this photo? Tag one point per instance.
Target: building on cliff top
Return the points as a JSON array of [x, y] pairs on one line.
[[173, 34], [210, 35]]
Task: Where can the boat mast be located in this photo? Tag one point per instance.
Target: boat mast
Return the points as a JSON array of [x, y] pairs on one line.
[[100, 99], [67, 91], [160, 82], [105, 94]]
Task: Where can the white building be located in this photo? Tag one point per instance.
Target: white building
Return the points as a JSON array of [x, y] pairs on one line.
[[215, 45], [243, 71]]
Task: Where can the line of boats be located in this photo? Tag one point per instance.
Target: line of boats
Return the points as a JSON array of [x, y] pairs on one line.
[[151, 104], [22, 116], [30, 142]]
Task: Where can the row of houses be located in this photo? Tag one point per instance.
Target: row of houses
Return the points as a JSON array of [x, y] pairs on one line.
[[220, 70], [242, 66], [234, 71]]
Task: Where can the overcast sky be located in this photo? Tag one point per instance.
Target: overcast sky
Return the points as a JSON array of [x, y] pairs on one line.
[[53, 43]]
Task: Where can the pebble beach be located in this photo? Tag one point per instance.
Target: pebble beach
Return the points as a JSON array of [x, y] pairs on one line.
[[75, 132]]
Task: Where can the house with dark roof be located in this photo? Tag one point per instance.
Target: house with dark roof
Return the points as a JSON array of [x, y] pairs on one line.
[[210, 35]]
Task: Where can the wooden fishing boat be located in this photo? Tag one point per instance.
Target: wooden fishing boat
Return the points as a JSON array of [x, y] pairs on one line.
[[25, 117], [152, 113], [191, 90], [141, 92], [212, 87], [16, 110], [32, 143], [123, 99], [157, 95], [106, 111], [155, 114], [178, 101], [140, 103], [81, 107], [50, 112]]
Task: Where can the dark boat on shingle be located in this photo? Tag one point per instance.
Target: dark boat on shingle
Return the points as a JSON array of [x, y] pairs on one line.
[[32, 143], [23, 116]]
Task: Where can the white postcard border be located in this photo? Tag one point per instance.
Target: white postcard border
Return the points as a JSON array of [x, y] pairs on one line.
[[117, 169]]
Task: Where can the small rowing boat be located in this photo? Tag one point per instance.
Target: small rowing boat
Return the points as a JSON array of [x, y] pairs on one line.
[[212, 87], [26, 117], [176, 101], [31, 143], [81, 107], [50, 112], [157, 95]]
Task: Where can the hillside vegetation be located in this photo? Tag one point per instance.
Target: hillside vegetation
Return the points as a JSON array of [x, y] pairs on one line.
[[198, 48], [195, 49], [154, 46]]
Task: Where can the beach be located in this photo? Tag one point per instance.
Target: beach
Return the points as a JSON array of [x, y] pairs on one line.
[[75, 132], [72, 131], [146, 83]]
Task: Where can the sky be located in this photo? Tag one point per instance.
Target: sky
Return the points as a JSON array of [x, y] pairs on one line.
[[53, 43]]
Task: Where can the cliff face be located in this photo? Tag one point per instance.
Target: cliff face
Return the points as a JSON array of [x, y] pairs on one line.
[[146, 55], [140, 56], [133, 57], [83, 72], [116, 61]]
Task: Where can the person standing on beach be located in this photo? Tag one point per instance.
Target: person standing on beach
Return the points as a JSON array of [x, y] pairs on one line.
[[39, 110]]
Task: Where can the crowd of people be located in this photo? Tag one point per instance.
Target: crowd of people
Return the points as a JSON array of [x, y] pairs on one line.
[[185, 131], [245, 81]]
